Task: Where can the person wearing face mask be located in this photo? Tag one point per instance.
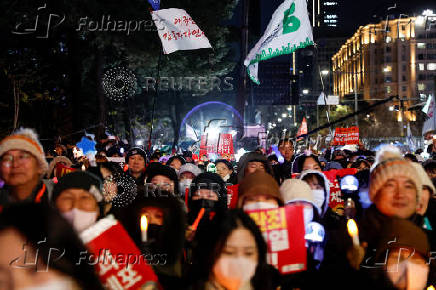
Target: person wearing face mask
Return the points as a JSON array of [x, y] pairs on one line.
[[231, 254], [310, 162], [187, 173], [298, 192], [165, 236], [40, 250], [225, 169], [208, 192], [78, 197], [176, 162], [259, 190]]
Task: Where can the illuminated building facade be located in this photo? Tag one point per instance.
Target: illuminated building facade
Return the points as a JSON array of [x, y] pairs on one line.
[[392, 58]]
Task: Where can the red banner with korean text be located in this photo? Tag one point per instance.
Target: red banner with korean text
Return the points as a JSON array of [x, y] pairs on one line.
[[232, 195], [118, 262], [225, 146], [283, 230], [346, 136], [207, 146]]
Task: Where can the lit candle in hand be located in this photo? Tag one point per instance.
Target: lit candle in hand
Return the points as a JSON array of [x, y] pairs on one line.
[[353, 231], [144, 226]]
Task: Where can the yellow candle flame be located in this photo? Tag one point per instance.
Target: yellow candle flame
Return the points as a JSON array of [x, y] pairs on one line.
[[430, 288], [352, 228], [144, 223]]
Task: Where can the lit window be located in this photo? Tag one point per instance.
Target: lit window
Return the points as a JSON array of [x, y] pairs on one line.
[[421, 66], [387, 68], [388, 39], [431, 66], [420, 45], [421, 87], [388, 89]]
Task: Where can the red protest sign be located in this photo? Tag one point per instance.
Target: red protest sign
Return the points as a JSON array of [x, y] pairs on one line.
[[232, 195], [207, 145], [283, 230], [225, 145], [118, 262], [346, 136]]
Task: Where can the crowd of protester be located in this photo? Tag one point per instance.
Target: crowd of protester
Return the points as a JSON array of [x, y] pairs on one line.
[[196, 210]]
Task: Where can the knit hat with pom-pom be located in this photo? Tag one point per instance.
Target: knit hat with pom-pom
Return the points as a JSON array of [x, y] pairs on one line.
[[25, 139], [391, 164]]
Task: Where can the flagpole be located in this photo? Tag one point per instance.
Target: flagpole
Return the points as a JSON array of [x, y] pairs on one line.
[[155, 97]]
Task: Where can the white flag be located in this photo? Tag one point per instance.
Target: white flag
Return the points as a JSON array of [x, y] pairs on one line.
[[410, 142], [288, 30], [178, 31], [430, 124], [190, 132]]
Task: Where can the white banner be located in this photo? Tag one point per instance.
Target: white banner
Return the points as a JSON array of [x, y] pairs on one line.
[[288, 30], [178, 31]]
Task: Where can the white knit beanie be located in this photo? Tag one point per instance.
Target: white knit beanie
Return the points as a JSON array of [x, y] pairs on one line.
[[392, 168], [25, 139], [296, 190]]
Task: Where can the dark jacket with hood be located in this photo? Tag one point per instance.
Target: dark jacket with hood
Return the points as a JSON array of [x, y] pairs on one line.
[[252, 157]]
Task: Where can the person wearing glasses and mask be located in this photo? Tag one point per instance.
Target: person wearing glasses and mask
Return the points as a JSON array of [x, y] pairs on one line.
[[22, 165]]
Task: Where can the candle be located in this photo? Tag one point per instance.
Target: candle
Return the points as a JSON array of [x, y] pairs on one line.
[[353, 231], [144, 226]]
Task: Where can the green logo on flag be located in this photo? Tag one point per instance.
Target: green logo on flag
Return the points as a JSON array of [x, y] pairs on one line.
[[290, 22]]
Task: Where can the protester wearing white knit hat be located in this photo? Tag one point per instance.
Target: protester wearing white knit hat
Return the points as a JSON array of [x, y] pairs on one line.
[[395, 186], [22, 166]]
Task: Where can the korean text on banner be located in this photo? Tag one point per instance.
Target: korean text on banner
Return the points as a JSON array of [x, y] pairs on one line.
[[178, 31], [119, 263], [283, 230], [288, 30]]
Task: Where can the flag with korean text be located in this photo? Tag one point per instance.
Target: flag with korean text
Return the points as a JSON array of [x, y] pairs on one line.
[[288, 30], [118, 262], [303, 128], [283, 230], [178, 31]]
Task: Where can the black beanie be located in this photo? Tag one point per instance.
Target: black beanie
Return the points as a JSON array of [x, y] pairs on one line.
[[156, 168], [136, 151], [80, 180]]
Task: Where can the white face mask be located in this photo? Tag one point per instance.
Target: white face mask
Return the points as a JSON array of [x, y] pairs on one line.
[[308, 215], [231, 272], [318, 198], [58, 284], [225, 178], [259, 205], [81, 220], [415, 274], [183, 184]]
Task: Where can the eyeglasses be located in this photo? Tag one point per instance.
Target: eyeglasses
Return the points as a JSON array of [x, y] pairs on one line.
[[20, 159]]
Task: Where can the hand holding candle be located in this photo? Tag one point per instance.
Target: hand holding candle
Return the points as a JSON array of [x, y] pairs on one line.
[[144, 226], [353, 231]]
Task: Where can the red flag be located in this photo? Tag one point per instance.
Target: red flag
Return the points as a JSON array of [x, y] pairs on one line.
[[303, 128]]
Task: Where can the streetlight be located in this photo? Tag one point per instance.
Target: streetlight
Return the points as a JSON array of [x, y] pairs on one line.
[[325, 72], [305, 91]]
